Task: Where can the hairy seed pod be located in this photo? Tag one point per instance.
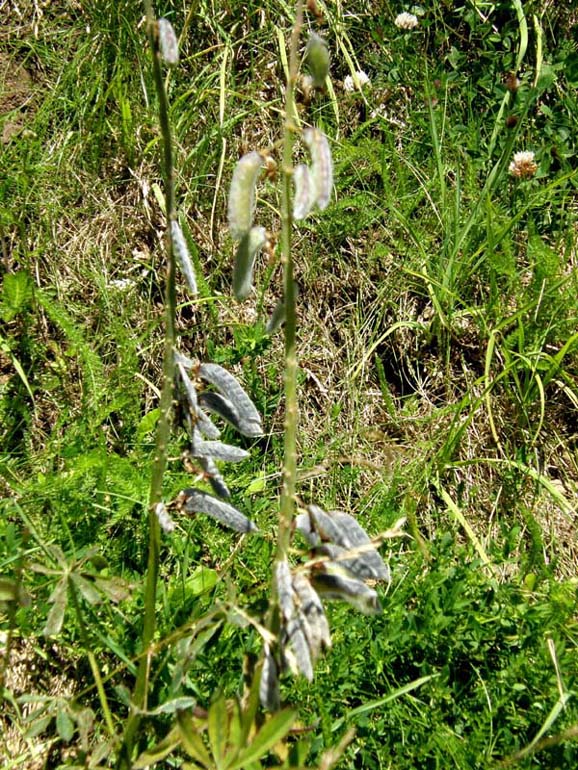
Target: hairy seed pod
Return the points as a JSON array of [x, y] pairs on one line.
[[335, 582], [284, 588], [199, 418], [196, 501], [347, 542], [242, 194], [305, 191], [181, 252], [216, 450], [249, 247], [234, 393], [165, 521], [168, 43], [322, 165], [317, 59], [315, 627], [269, 685], [214, 477], [295, 648]]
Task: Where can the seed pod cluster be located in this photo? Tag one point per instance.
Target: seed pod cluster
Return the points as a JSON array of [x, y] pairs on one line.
[[233, 404]]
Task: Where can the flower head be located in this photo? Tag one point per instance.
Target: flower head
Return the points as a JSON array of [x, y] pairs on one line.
[[350, 81], [406, 21], [523, 166]]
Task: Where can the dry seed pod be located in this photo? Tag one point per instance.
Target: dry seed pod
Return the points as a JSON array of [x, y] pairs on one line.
[[305, 191], [229, 387], [165, 521], [284, 589], [214, 477], [322, 165], [216, 450], [242, 194], [181, 252], [334, 582], [363, 562], [304, 524], [295, 648], [317, 59], [168, 43], [346, 535], [247, 250], [315, 626], [277, 318], [269, 685], [196, 501], [199, 418]]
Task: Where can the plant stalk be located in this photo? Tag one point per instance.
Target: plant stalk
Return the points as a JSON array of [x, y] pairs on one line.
[[287, 506], [140, 694]]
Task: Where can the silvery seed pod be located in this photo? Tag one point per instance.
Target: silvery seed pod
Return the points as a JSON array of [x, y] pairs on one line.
[[165, 521], [242, 194], [199, 418], [295, 648], [247, 250], [335, 582], [346, 535], [168, 43], [197, 501], [305, 191], [234, 393], [317, 59], [214, 476], [277, 318], [315, 626], [269, 685], [217, 450], [181, 252], [322, 165], [284, 589]]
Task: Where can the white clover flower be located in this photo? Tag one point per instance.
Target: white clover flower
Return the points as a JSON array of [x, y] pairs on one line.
[[406, 21], [122, 284], [523, 166], [350, 81]]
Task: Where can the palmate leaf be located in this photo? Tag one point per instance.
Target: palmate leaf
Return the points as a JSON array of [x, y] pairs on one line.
[[59, 600]]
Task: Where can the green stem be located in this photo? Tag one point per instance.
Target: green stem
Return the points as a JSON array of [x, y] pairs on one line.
[[291, 407], [92, 660], [164, 425]]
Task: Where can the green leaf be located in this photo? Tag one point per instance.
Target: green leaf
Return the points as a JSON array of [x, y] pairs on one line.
[[8, 590], [147, 424], [218, 723], [274, 730], [160, 751], [86, 588], [201, 581], [17, 291], [392, 696], [64, 725], [58, 599], [192, 740]]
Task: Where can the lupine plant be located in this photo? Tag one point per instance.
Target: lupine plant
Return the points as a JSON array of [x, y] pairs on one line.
[[337, 558]]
